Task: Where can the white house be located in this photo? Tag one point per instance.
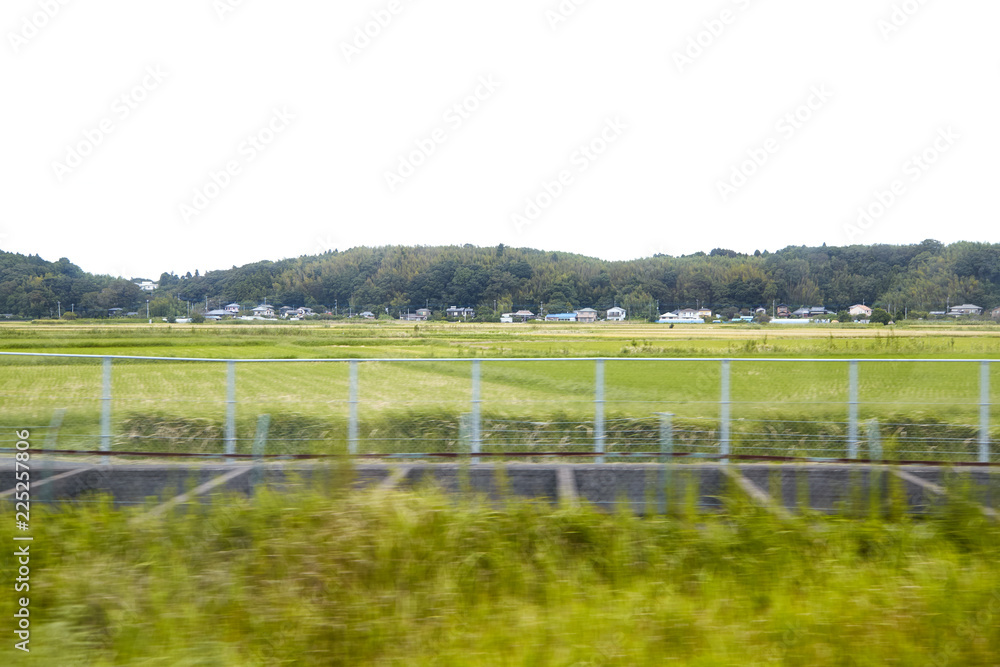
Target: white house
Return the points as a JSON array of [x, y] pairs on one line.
[[264, 310], [687, 313], [679, 319], [860, 310], [616, 314], [147, 285], [965, 309], [304, 312], [561, 317], [233, 309], [368, 315], [586, 315], [507, 318]]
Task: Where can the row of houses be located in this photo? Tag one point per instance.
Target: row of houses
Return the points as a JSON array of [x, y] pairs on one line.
[[262, 311], [582, 315], [585, 315]]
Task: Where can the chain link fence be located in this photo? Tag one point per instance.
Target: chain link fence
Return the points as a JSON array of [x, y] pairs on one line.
[[589, 410]]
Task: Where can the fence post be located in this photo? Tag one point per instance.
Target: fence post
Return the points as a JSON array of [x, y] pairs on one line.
[[51, 442], [984, 412], [259, 447], [724, 412], [874, 471], [352, 406], [874, 441], [106, 409], [475, 434], [666, 457], [599, 410], [852, 410], [230, 409]]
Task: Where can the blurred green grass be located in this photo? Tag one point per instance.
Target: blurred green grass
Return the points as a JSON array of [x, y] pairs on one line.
[[325, 577]]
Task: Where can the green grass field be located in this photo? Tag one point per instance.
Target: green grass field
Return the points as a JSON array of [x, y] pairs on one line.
[[416, 578], [414, 407]]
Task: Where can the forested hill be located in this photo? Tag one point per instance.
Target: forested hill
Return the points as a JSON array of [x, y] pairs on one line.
[[919, 277]]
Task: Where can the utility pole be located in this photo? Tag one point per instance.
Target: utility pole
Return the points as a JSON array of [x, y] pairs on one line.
[[147, 309], [59, 309]]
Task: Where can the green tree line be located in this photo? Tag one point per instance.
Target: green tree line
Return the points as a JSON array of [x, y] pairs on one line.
[[922, 277]]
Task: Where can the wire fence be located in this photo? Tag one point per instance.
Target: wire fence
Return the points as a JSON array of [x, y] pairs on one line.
[[593, 410]]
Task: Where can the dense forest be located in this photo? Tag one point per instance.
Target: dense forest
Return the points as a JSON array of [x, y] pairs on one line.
[[921, 277]]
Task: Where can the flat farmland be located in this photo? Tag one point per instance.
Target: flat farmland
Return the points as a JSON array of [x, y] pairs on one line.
[[548, 399]]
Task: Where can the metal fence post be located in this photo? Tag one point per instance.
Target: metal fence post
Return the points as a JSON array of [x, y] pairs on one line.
[[724, 413], [106, 409], [984, 412], [852, 410], [666, 457], [874, 441], [51, 442], [230, 409], [475, 434], [352, 405], [599, 410], [259, 447]]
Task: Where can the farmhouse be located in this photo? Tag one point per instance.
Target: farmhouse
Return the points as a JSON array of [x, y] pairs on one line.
[[995, 313], [965, 309], [784, 310], [524, 315], [507, 318], [264, 310], [860, 310], [147, 285], [233, 309], [560, 317], [368, 315], [616, 314], [455, 311], [411, 317], [424, 313], [586, 315]]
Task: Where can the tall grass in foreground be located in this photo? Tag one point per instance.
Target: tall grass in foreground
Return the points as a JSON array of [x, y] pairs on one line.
[[418, 578]]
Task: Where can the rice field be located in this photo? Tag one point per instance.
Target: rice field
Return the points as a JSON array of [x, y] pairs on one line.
[[414, 406]]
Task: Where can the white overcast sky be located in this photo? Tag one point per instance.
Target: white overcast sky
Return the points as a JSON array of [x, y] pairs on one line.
[[895, 77]]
